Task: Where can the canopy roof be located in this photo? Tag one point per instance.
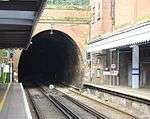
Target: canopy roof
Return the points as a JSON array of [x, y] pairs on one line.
[[17, 21], [138, 34]]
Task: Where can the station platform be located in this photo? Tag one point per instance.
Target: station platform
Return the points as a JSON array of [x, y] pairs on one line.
[[143, 93], [3, 92], [15, 105]]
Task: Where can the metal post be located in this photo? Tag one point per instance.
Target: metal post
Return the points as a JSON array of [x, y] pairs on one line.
[[135, 66], [113, 77], [112, 68], [11, 65], [11, 71], [118, 67], [91, 68], [110, 60]]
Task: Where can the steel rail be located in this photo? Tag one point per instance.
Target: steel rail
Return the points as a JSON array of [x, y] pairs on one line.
[[69, 114], [86, 108], [37, 112], [93, 112]]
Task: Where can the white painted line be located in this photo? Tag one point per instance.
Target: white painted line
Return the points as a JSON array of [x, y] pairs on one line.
[[27, 109]]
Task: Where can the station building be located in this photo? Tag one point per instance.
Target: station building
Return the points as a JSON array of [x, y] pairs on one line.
[[118, 51]]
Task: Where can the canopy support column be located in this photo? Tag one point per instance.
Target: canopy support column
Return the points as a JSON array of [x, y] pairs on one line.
[[135, 67]]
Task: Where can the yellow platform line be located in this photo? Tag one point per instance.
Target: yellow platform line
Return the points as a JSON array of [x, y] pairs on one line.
[[4, 97]]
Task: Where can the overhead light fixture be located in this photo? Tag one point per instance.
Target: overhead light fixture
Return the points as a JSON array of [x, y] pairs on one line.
[[51, 30]]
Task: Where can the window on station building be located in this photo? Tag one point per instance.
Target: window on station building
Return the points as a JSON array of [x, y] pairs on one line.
[[113, 10], [93, 14], [96, 11], [99, 10]]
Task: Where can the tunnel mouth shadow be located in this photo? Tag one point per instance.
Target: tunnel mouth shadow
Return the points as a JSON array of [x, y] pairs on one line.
[[52, 58]]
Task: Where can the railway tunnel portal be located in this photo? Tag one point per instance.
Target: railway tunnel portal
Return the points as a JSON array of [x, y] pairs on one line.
[[53, 57]]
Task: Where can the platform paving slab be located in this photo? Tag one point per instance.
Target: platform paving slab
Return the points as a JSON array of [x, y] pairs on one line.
[[3, 88], [15, 106], [3, 91]]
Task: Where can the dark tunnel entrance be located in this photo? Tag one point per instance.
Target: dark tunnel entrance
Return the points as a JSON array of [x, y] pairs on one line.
[[51, 58]]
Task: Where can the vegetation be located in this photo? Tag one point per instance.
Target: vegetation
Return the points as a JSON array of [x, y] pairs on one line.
[[4, 54], [68, 4]]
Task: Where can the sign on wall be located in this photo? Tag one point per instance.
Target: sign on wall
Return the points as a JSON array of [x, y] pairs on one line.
[[111, 73]]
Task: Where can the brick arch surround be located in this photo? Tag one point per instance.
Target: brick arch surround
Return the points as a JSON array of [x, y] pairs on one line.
[[78, 32], [59, 54]]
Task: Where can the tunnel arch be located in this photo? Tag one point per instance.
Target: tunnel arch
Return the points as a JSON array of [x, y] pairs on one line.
[[53, 57]]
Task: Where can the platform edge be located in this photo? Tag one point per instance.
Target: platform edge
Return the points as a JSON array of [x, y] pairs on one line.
[[28, 112]]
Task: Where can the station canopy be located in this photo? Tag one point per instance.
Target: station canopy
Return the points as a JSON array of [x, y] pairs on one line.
[[135, 35], [17, 21]]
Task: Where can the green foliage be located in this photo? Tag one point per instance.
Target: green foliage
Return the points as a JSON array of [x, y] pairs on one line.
[[5, 78], [3, 53], [68, 3], [4, 56]]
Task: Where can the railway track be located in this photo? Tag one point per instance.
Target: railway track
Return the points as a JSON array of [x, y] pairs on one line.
[[81, 110], [52, 104], [107, 105], [47, 108], [107, 109]]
